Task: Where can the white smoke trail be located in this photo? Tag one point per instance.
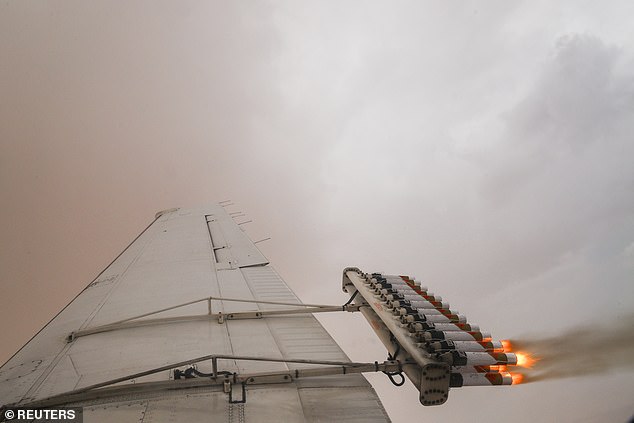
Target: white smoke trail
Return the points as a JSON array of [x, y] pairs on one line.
[[580, 351]]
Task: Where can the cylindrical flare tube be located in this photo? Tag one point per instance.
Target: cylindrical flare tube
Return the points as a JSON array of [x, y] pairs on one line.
[[478, 369], [480, 379], [402, 311], [462, 358], [447, 327], [439, 318], [396, 295], [433, 335], [419, 303], [482, 346]]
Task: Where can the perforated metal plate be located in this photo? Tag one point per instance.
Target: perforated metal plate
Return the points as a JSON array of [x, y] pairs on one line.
[[434, 384]]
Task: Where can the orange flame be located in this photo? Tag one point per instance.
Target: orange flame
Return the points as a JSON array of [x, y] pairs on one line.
[[498, 368], [525, 360], [517, 378]]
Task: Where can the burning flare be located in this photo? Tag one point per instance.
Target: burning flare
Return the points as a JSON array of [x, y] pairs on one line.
[[585, 350], [525, 359], [517, 378]]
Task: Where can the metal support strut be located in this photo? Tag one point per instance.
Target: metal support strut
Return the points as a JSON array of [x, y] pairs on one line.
[[138, 321], [221, 379]]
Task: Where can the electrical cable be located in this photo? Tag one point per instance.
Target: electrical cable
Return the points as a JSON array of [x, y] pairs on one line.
[[392, 358], [351, 299]]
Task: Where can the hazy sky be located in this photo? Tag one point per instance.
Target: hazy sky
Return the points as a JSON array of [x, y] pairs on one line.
[[484, 148]]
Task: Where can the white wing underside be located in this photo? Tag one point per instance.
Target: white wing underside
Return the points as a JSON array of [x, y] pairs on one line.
[[186, 255]]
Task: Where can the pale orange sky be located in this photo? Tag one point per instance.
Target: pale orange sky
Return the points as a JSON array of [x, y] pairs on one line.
[[486, 151]]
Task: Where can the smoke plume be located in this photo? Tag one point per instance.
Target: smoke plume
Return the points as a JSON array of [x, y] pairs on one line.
[[580, 351]]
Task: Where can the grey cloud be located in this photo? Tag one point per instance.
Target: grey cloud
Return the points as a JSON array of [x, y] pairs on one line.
[[461, 144], [560, 169]]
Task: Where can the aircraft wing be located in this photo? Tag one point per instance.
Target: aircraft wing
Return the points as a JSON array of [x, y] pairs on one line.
[[190, 323]]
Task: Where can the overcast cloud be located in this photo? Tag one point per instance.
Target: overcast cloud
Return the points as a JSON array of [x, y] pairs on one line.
[[485, 150]]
